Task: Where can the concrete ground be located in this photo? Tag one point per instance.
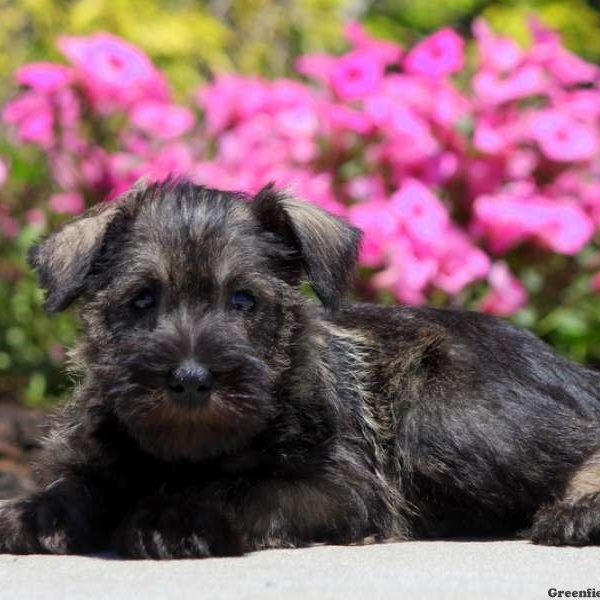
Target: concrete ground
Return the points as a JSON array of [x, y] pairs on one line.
[[462, 570]]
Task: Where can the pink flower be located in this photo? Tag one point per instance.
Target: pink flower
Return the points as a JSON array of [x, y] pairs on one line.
[[525, 81], [408, 274], [595, 283], [253, 98], [491, 136], [316, 66], [297, 122], [410, 139], [65, 169], [483, 175], [379, 224], [36, 218], [505, 220], [408, 91], [521, 164], [507, 294], [8, 226], [560, 225], [588, 192], [422, 216], [218, 100], [68, 109], [68, 202], [420, 245], [366, 188], [165, 121], [136, 142], [3, 172], [569, 69], [448, 106], [565, 228], [44, 77], [113, 71], [460, 264], [257, 138], [231, 99], [286, 93], [440, 168], [516, 152], [342, 117], [563, 138], [500, 54], [384, 51], [124, 169], [175, 159], [355, 75], [95, 169], [436, 56], [32, 115], [548, 51], [580, 103], [313, 187]]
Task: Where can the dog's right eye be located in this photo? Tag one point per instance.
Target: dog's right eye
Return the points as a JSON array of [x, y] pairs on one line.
[[243, 300], [143, 300]]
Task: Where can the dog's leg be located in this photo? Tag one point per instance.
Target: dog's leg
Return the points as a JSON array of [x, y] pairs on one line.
[[277, 514], [575, 518], [70, 516], [229, 519], [183, 525]]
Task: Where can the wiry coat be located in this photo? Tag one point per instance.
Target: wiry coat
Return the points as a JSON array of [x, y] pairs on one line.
[[328, 422]]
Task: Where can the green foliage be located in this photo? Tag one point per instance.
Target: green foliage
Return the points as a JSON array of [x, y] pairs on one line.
[[564, 311], [188, 39], [31, 343], [407, 20], [578, 21]]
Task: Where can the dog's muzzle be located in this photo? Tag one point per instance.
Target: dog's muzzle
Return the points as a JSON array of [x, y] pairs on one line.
[[190, 384]]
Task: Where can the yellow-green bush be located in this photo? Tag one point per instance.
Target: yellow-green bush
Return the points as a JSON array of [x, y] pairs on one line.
[[188, 38], [578, 21]]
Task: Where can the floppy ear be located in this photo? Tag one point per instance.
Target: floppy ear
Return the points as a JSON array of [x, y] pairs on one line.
[[64, 259], [326, 245]]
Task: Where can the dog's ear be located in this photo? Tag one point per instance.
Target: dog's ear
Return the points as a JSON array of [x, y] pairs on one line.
[[326, 245], [64, 259]]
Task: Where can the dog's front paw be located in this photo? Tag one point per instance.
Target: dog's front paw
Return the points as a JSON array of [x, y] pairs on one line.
[[568, 523], [44, 523], [18, 531], [163, 528], [547, 530]]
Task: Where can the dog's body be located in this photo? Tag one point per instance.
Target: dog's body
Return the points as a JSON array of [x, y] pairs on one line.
[[289, 423]]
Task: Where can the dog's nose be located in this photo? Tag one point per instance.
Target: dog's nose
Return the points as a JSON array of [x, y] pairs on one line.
[[190, 383]]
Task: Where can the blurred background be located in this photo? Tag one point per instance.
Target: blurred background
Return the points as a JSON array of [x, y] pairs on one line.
[[461, 135]]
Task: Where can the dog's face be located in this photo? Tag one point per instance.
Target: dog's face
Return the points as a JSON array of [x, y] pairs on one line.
[[191, 306]]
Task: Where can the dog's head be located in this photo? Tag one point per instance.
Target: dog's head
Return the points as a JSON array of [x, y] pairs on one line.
[[191, 305]]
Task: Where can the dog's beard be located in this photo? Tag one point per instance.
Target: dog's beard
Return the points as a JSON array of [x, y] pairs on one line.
[[170, 432], [240, 406]]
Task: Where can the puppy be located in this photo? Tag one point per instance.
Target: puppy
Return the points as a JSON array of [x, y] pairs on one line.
[[221, 411]]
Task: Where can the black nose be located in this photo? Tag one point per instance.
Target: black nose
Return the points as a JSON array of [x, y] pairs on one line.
[[190, 383]]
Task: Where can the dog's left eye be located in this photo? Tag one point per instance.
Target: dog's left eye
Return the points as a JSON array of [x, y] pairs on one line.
[[243, 300], [143, 300]]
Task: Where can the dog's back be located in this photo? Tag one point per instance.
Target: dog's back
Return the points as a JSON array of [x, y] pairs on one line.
[[490, 423]]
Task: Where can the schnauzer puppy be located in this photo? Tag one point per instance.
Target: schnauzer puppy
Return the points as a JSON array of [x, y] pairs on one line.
[[221, 411]]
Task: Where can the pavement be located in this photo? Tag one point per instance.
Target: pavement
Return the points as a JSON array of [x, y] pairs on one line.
[[436, 569]]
